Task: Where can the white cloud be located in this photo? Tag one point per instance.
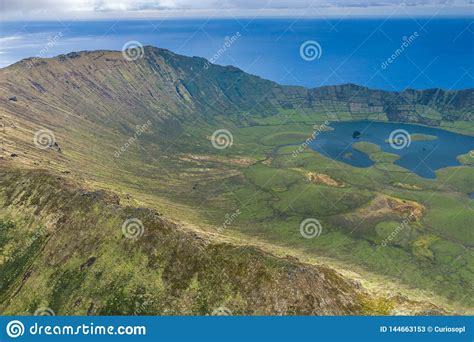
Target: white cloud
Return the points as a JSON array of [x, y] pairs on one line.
[[29, 6], [75, 9]]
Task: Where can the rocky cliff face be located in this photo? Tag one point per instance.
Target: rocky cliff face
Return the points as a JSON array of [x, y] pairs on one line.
[[228, 88], [175, 87]]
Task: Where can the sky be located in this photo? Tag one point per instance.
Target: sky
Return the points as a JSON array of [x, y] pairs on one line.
[[353, 49], [20, 10]]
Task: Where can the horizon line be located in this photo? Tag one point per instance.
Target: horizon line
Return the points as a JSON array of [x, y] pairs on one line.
[[262, 17]]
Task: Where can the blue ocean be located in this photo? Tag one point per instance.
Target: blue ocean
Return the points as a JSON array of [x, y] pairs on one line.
[[390, 54]]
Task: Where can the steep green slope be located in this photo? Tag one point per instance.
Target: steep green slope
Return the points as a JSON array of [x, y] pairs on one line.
[[65, 249], [174, 85]]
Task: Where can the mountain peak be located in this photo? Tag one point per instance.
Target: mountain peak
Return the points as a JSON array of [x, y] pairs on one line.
[[190, 84]]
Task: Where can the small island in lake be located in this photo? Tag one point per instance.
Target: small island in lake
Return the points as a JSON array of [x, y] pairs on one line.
[[419, 137], [374, 152]]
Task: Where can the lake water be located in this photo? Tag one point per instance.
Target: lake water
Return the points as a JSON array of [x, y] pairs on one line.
[[353, 50], [420, 157]]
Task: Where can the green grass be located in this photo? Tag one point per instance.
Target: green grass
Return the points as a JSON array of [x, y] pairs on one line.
[[422, 137], [286, 198], [419, 137], [284, 138], [375, 153], [167, 271], [393, 233], [174, 169], [281, 198], [366, 147], [275, 197], [467, 159]]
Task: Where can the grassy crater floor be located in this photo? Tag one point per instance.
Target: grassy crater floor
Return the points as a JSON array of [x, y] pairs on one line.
[[261, 188], [433, 253], [163, 270]]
